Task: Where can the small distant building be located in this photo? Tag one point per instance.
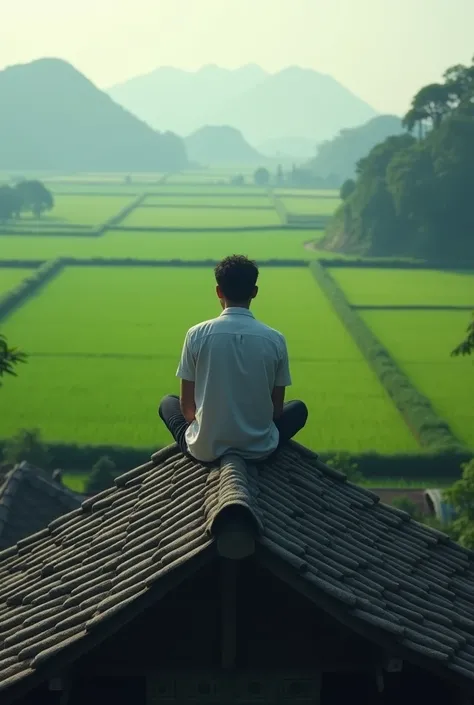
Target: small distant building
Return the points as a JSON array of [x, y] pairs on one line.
[[29, 500], [241, 584]]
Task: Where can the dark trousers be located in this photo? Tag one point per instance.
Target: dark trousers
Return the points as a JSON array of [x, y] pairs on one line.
[[291, 421]]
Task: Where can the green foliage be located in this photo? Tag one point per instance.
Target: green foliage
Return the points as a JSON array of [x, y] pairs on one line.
[[336, 159], [26, 445], [9, 358], [461, 498], [262, 177], [35, 197], [414, 198], [10, 203], [407, 505], [102, 476], [345, 462], [467, 345], [347, 188]]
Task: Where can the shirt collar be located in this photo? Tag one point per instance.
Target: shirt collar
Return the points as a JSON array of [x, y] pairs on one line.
[[237, 311]]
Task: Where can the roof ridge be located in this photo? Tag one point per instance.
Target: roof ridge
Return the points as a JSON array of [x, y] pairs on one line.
[[231, 479]]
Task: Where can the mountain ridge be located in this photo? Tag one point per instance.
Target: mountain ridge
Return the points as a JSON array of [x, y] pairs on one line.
[[76, 126], [292, 103], [220, 144]]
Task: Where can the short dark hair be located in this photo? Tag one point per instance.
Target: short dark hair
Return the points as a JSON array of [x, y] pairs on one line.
[[237, 276]]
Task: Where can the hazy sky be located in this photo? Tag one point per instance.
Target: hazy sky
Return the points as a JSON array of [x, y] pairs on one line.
[[383, 50]]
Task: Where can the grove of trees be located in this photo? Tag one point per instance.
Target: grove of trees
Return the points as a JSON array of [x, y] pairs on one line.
[[26, 196], [413, 193]]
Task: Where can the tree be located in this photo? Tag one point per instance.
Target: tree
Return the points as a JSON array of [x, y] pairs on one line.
[[280, 177], [467, 345], [347, 188], [102, 476], [262, 176], [35, 197], [27, 446], [461, 497], [237, 180], [8, 202], [9, 358], [432, 103]]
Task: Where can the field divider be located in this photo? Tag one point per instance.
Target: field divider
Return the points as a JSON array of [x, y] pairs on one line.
[[191, 206], [432, 431], [22, 263], [392, 263], [222, 229], [16, 297], [115, 220], [278, 206], [135, 262], [414, 307]]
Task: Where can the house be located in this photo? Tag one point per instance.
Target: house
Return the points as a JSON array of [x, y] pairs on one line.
[[29, 500], [241, 584]]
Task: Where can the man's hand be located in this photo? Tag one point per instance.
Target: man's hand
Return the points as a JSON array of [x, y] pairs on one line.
[[186, 400], [278, 398]]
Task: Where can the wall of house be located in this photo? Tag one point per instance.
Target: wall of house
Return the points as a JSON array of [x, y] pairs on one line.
[[287, 651]]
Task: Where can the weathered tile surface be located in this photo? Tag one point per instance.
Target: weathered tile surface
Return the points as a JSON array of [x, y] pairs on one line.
[[62, 585]]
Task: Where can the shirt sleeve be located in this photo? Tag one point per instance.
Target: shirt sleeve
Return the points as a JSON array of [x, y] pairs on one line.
[[187, 364], [283, 376]]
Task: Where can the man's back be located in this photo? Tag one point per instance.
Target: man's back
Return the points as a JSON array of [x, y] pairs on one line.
[[235, 363]]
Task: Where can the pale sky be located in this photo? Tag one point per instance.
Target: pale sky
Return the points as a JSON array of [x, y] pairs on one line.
[[383, 50]]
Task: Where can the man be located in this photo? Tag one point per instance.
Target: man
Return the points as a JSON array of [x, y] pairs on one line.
[[233, 371]]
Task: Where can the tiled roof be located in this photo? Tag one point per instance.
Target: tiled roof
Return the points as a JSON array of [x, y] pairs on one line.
[[29, 501], [397, 582]]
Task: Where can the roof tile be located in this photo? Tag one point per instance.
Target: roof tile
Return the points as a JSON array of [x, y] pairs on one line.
[[380, 570]]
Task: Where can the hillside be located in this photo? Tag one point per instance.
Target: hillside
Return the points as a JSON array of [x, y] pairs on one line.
[[220, 145], [293, 103], [54, 118], [340, 155]]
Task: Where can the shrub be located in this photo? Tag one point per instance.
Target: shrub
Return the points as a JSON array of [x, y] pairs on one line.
[[27, 446], [102, 475]]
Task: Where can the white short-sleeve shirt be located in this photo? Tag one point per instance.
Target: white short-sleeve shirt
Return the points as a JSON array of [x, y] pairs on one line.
[[235, 362]]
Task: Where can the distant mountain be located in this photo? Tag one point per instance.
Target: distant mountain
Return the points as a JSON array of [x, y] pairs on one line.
[[339, 156], [220, 145], [293, 103], [53, 117]]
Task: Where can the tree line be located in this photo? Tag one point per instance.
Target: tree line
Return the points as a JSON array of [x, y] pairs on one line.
[[25, 196], [413, 193]]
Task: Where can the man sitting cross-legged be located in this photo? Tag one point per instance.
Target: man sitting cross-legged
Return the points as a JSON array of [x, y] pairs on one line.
[[234, 371]]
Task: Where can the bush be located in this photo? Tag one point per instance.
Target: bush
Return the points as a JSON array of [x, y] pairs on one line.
[[407, 505], [102, 476], [262, 177], [27, 446]]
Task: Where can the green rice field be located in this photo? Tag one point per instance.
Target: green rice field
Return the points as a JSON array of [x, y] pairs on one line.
[[210, 201], [82, 210], [200, 218], [406, 287], [264, 244], [421, 342], [11, 277], [101, 361], [104, 341], [310, 206]]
